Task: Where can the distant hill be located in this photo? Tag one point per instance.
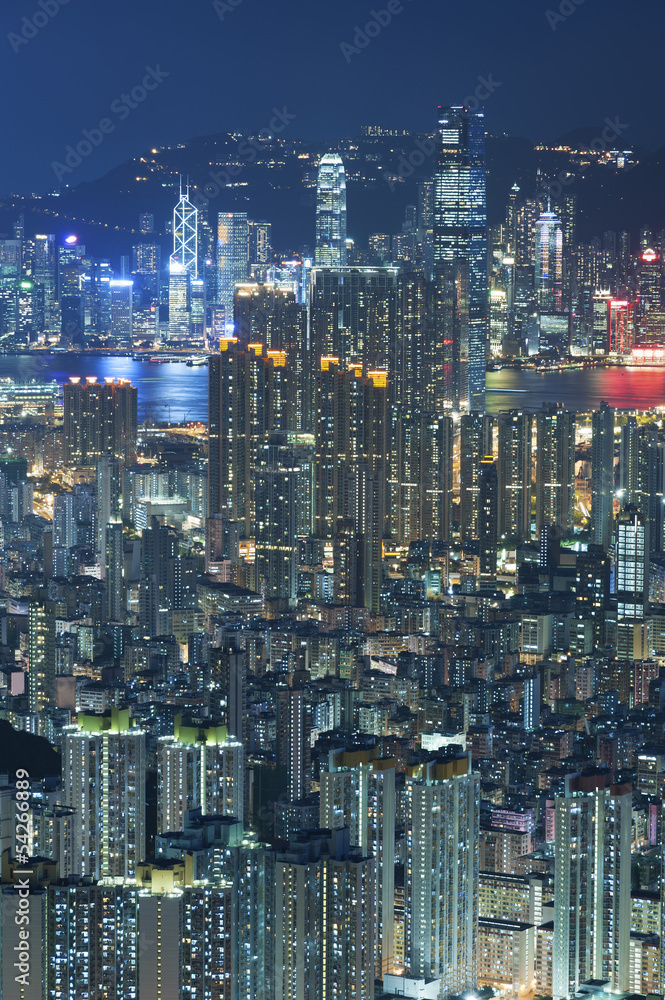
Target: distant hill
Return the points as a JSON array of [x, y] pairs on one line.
[[34, 754], [277, 184]]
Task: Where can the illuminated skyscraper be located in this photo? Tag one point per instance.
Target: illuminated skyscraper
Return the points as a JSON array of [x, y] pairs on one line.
[[602, 474], [232, 259], [487, 519], [276, 522], [179, 301], [100, 419], [121, 309], [460, 227], [103, 777], [514, 464], [591, 884], [331, 212], [632, 584], [441, 871], [358, 791], [549, 262], [555, 469], [198, 768], [185, 240], [324, 919]]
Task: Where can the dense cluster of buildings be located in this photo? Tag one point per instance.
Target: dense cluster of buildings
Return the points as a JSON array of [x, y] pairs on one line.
[[361, 693]]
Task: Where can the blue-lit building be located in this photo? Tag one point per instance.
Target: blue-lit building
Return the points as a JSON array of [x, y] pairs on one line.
[[331, 212], [460, 235]]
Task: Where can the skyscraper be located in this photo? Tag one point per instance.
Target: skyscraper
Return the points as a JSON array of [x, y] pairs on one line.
[[460, 226], [232, 259], [441, 871], [276, 525], [185, 238], [555, 468], [103, 777], [487, 520], [331, 212], [99, 420], [602, 474], [632, 584], [549, 262], [591, 884]]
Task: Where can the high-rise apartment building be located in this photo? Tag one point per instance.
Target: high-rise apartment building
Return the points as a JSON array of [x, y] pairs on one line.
[[441, 872], [602, 474], [276, 521], [555, 468], [199, 767], [331, 212], [591, 884], [103, 777], [358, 792], [100, 419], [514, 473]]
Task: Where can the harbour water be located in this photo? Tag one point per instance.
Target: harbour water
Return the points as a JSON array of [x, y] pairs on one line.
[[173, 391]]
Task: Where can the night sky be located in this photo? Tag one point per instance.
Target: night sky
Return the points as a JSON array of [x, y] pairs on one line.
[[227, 70]]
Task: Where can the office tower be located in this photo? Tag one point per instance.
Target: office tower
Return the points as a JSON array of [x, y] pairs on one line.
[[146, 222], [232, 259], [185, 234], [555, 468], [600, 322], [104, 778], [476, 434], [620, 326], [649, 279], [591, 884], [293, 740], [199, 767], [549, 263], [487, 520], [352, 314], [121, 309], [276, 522], [358, 792], [498, 322], [421, 476], [42, 615], [331, 213], [99, 420], [441, 872], [514, 473], [147, 262], [260, 242], [324, 919], [197, 309], [602, 474], [460, 227], [44, 273], [179, 301], [632, 584]]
